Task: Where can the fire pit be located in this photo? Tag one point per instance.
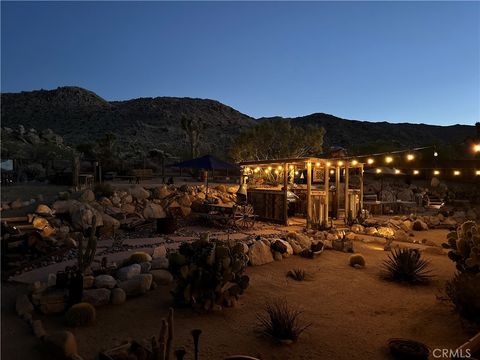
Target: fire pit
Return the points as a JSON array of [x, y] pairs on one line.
[[404, 349]]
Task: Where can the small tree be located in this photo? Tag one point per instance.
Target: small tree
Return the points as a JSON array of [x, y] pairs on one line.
[[193, 129]]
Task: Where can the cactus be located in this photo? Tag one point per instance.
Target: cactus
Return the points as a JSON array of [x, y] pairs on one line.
[[86, 256], [138, 258], [211, 274], [357, 260], [80, 314], [465, 247]]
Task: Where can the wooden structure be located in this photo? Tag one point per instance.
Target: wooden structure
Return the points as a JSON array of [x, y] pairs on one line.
[[315, 188]]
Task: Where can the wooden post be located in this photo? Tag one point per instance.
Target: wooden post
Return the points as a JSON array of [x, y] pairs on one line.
[[337, 191], [361, 187], [347, 200], [309, 194], [285, 194], [327, 192], [76, 171]]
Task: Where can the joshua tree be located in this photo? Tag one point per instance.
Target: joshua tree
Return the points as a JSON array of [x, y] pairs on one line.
[[193, 129]]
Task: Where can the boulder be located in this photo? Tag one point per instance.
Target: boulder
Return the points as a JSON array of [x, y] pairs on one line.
[[104, 201], [154, 211], [39, 223], [44, 210], [109, 222], [371, 231], [23, 305], [277, 256], [139, 193], [160, 263], [303, 240], [128, 208], [259, 253], [159, 251], [63, 206], [128, 272], [145, 267], [96, 297], [357, 228], [386, 232], [184, 200], [419, 225], [105, 281], [283, 247], [296, 248], [61, 344], [401, 235], [162, 277], [232, 189], [118, 296], [88, 281], [138, 285], [16, 204], [87, 196]]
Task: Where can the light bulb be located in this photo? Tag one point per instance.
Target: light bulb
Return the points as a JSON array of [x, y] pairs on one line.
[[370, 161]]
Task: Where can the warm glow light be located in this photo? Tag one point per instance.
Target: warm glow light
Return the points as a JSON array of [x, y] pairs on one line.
[[291, 167], [397, 171], [456, 173], [410, 157], [436, 172], [370, 161], [269, 168], [276, 172], [257, 169], [328, 163], [477, 172], [378, 171], [476, 148], [279, 167], [416, 172], [340, 163], [388, 159], [354, 162], [317, 164], [435, 154], [296, 172], [332, 171], [267, 171], [247, 169]]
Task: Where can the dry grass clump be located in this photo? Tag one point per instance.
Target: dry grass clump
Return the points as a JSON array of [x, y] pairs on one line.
[[298, 274]]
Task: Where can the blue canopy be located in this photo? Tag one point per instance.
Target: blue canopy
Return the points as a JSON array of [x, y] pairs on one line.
[[207, 162]]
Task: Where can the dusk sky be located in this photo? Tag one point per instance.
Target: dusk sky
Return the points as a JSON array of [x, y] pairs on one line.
[[380, 61]]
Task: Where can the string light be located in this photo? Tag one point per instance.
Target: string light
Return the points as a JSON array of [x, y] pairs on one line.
[[291, 167], [378, 171], [410, 157], [296, 172], [435, 153], [456, 173], [332, 171], [257, 169], [370, 161], [416, 172], [328, 163], [397, 171], [354, 162], [279, 167], [269, 168], [476, 148], [267, 171], [388, 159], [317, 164], [340, 163], [477, 172], [276, 172], [436, 172]]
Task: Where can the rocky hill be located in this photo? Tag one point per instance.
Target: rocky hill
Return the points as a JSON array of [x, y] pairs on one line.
[[81, 116]]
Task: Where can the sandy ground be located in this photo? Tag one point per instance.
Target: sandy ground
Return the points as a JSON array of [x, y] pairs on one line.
[[353, 314]]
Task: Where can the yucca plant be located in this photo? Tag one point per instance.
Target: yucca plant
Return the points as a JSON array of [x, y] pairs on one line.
[[281, 321], [297, 274], [406, 265]]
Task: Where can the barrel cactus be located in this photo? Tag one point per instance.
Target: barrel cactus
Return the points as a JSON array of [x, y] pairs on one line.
[[210, 274], [465, 247], [80, 314]]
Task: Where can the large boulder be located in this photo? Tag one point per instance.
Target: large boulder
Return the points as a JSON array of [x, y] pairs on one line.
[[419, 225], [128, 208], [303, 240], [105, 281], [109, 222], [162, 276], [128, 272], [386, 232], [139, 193], [159, 251], [297, 249], [81, 216], [259, 253], [138, 285], [401, 235], [154, 211], [96, 297], [39, 223], [282, 246], [87, 196], [161, 192], [44, 210]]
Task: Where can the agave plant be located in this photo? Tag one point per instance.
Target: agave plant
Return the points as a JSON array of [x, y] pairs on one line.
[[406, 265], [281, 321], [298, 274]]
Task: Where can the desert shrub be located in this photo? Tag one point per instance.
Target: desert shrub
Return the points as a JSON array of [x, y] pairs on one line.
[[281, 321], [209, 274], [104, 189], [297, 274], [80, 314], [465, 247], [356, 260], [464, 293], [406, 265]]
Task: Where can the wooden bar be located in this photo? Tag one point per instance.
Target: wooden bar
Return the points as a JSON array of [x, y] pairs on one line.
[[337, 192], [361, 187], [285, 193], [309, 194]]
